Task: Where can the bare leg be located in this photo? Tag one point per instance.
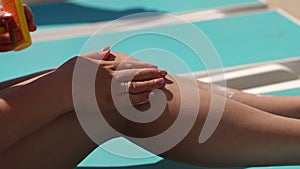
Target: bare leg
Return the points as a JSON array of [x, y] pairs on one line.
[[9, 83], [246, 136], [60, 144], [288, 106]]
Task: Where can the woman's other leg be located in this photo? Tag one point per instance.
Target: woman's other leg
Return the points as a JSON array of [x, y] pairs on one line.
[[60, 144]]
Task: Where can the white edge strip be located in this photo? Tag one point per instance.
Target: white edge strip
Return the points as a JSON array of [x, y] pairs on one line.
[[241, 71], [275, 87], [200, 74], [289, 16], [251, 72]]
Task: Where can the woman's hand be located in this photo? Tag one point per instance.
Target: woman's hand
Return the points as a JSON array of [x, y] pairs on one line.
[[126, 80], [6, 21], [117, 80]]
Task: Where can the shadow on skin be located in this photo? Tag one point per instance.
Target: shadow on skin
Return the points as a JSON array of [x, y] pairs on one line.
[[137, 130], [70, 13]]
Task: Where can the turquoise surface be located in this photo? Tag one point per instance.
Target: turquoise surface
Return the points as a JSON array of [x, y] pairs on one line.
[[238, 40], [162, 6], [104, 158], [291, 92], [60, 14]]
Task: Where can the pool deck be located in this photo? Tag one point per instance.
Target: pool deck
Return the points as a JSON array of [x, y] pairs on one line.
[[289, 6]]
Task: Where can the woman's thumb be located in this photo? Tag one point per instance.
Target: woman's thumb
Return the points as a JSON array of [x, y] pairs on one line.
[[5, 17]]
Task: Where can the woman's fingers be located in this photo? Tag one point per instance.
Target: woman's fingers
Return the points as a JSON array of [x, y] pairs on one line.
[[134, 99], [5, 38], [140, 98], [143, 86], [28, 12], [117, 65], [135, 87], [29, 18], [6, 48], [5, 21], [146, 74], [135, 81], [5, 41], [139, 74], [5, 17], [132, 65]]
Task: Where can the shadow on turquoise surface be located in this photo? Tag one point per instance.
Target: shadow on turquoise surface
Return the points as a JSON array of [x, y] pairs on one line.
[[70, 13]]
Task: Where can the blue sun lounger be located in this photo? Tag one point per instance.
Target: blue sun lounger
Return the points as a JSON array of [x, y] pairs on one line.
[[247, 39]]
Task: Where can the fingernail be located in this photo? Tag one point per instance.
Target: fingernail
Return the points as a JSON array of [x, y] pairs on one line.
[[150, 96], [6, 17], [163, 72], [153, 66], [105, 49], [160, 81]]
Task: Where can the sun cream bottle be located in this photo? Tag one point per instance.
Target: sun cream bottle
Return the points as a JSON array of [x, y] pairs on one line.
[[18, 30]]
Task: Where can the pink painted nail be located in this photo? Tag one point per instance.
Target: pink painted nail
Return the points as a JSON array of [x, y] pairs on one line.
[[152, 66], [105, 49], [6, 17], [163, 72], [160, 81], [150, 96]]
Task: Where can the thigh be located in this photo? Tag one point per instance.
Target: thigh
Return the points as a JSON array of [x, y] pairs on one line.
[[60, 144]]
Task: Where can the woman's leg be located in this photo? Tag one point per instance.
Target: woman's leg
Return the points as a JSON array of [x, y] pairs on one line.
[[245, 136], [10, 83], [288, 106], [60, 144]]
